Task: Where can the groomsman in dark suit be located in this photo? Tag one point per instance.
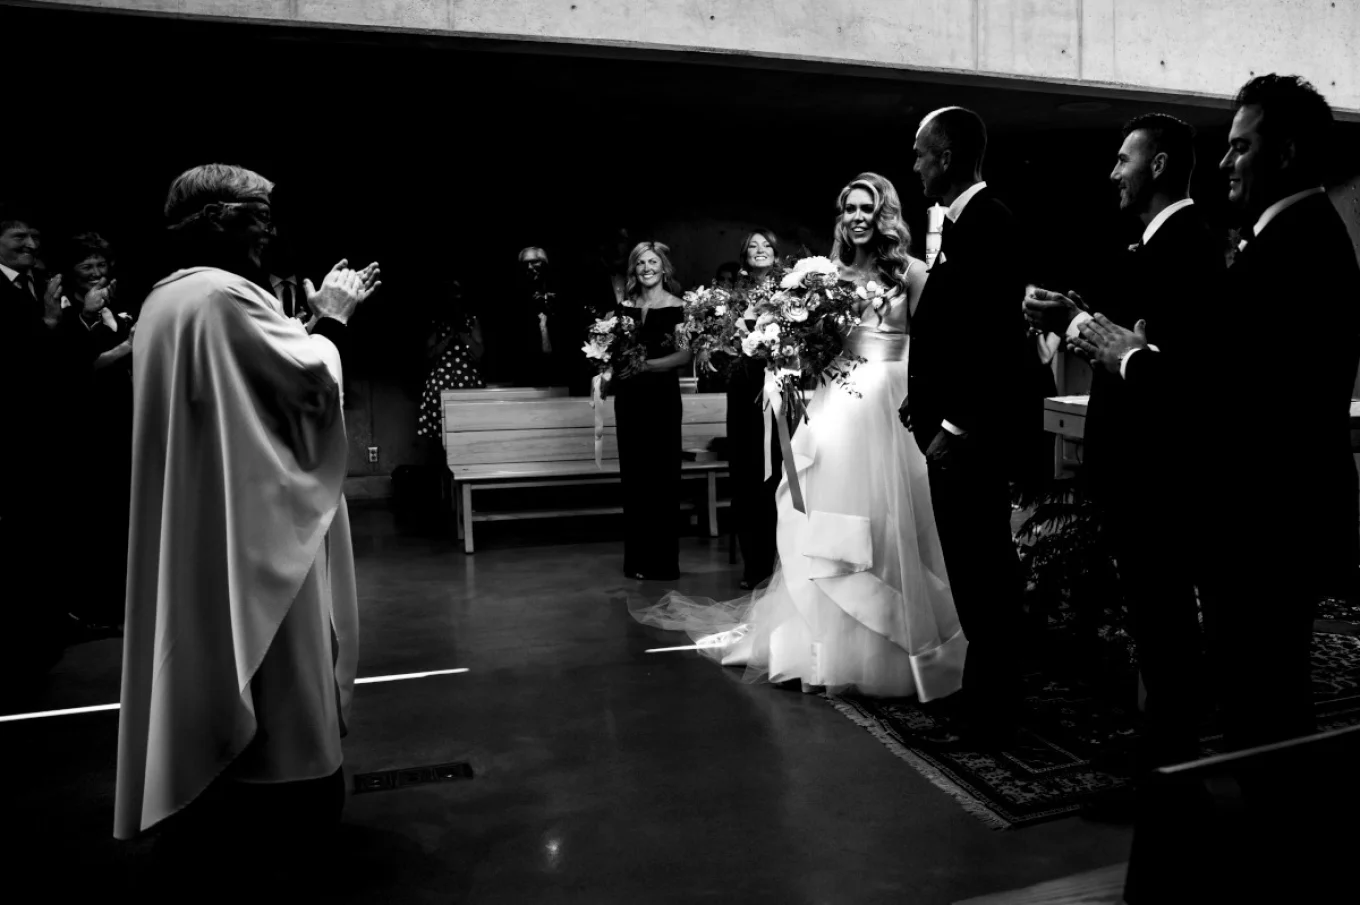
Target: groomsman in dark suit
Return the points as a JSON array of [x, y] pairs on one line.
[[1273, 470], [970, 412], [1132, 457]]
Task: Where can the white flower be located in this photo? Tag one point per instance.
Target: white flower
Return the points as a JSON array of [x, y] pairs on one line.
[[720, 310], [862, 292], [816, 264], [796, 313], [750, 343], [792, 280], [873, 288]]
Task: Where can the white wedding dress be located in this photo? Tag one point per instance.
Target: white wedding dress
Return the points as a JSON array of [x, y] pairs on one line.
[[860, 600]]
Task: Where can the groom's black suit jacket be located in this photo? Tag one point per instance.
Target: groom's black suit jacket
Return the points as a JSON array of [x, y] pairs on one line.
[[1132, 440], [970, 360], [1270, 374]]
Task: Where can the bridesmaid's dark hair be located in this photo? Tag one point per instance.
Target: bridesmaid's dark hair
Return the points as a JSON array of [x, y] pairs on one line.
[[892, 239], [746, 242]]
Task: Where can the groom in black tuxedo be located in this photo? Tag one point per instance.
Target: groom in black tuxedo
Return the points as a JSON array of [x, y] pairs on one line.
[[1273, 474], [969, 410], [1132, 461]]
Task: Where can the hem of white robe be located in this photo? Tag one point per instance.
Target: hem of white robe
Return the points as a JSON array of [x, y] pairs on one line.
[[143, 822]]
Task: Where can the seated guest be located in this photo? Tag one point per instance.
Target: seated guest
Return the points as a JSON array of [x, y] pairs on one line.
[[229, 735], [726, 275], [453, 349]]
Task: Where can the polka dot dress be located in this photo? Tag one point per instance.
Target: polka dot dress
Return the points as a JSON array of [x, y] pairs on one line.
[[455, 370]]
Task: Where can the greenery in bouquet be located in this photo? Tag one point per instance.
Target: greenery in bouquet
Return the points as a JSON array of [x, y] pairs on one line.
[[710, 329], [800, 327], [612, 345]]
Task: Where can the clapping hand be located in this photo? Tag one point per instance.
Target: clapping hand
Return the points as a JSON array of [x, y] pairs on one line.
[[1051, 312], [342, 291], [52, 300], [1104, 343], [97, 298]]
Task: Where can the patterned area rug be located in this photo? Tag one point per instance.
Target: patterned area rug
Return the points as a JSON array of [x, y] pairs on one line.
[[1074, 743]]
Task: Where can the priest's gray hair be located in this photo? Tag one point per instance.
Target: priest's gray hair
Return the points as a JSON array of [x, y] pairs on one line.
[[524, 253], [195, 189]]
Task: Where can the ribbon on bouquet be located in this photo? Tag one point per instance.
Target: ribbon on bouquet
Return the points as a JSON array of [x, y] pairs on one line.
[[775, 418], [597, 403]]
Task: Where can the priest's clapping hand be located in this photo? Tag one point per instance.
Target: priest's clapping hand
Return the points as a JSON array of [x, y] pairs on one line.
[[1105, 344], [342, 290]]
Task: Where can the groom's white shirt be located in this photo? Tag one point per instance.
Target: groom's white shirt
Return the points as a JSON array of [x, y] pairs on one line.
[[953, 213]]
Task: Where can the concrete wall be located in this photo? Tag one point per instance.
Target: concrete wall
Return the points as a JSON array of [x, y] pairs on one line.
[[1203, 48]]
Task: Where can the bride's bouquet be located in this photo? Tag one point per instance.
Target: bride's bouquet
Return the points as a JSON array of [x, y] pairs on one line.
[[800, 328]]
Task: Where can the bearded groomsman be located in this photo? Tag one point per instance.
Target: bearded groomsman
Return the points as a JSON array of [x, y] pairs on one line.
[[969, 411], [1273, 471], [1132, 461]]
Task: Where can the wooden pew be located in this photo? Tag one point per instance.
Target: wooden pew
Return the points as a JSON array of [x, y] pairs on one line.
[[502, 394], [549, 442]]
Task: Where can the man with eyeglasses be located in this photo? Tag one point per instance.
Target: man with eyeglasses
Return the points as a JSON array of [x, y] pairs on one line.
[[241, 627]]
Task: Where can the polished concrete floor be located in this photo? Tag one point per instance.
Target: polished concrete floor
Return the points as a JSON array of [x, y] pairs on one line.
[[602, 774]]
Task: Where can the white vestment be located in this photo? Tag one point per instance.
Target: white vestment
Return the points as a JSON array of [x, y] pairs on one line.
[[242, 616]]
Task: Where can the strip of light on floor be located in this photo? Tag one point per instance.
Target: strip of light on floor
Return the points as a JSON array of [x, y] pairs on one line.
[[666, 650], [410, 675], [74, 711]]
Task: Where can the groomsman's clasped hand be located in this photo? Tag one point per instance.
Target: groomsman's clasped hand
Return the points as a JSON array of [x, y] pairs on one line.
[[1102, 342], [1051, 312]]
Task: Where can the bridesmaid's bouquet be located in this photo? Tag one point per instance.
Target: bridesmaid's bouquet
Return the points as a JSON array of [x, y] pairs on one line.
[[612, 345], [800, 329], [709, 329]]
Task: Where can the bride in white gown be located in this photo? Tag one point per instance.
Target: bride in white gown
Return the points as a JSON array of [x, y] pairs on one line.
[[860, 600]]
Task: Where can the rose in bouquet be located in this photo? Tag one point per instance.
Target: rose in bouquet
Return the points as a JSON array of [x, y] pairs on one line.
[[612, 345]]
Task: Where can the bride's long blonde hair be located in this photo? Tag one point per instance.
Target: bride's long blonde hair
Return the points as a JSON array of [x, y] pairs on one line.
[[892, 239]]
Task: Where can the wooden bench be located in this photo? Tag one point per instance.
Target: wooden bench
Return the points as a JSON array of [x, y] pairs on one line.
[[502, 394], [550, 442]]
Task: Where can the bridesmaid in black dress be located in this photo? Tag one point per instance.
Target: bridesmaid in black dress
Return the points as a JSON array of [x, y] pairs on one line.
[[752, 494], [647, 412]]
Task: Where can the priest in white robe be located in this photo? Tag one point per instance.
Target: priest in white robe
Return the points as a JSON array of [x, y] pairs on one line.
[[241, 633]]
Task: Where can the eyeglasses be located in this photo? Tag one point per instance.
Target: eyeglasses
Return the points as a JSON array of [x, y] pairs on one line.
[[260, 210]]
